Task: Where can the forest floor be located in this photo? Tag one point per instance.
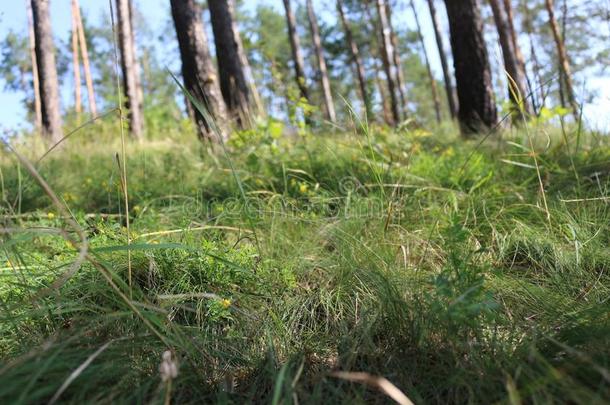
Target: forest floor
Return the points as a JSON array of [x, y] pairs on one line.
[[435, 263]]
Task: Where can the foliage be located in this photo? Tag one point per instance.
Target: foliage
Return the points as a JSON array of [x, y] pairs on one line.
[[410, 255]]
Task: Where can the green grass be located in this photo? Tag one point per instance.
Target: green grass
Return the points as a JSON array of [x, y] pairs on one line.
[[417, 257]]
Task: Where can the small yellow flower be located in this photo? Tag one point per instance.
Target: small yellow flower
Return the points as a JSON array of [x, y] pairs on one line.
[[88, 180], [226, 303], [303, 188], [50, 215], [449, 152], [137, 209], [9, 264]]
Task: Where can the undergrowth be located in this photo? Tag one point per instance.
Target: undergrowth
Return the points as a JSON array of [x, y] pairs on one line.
[[427, 260]]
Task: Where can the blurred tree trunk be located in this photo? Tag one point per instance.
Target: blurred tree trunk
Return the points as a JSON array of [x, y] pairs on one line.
[[433, 89], [131, 82], [387, 53], [35, 80], [514, 72], [85, 57], [445, 66], [477, 110], [355, 53], [47, 71], [400, 79], [510, 19], [198, 71], [564, 64], [246, 64], [317, 43], [297, 55], [78, 102], [529, 30], [378, 65], [233, 85]]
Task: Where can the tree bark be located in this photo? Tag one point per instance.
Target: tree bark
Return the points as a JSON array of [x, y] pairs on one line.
[[477, 110], [443, 57], [129, 69], [233, 85], [400, 79], [355, 53], [47, 71], [317, 43], [564, 64], [433, 89], [85, 57], [295, 47], [387, 53], [35, 80], [78, 102], [514, 72], [246, 64], [198, 72], [510, 18]]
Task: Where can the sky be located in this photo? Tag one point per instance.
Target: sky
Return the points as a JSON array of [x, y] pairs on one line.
[[156, 12]]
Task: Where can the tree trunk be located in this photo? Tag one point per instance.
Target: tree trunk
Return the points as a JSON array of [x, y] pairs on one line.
[[246, 64], [317, 43], [198, 70], [433, 89], [564, 64], [78, 102], [508, 9], [47, 71], [514, 72], [477, 110], [35, 80], [297, 55], [400, 79], [527, 26], [355, 52], [378, 65], [443, 57], [387, 53], [85, 57], [233, 83], [129, 69]]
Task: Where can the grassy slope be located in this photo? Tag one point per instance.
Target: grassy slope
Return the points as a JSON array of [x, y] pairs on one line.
[[411, 256]]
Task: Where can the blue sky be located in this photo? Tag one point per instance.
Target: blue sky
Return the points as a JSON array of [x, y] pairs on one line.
[[156, 12]]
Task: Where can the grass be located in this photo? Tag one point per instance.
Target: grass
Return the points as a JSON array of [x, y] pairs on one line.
[[412, 256]]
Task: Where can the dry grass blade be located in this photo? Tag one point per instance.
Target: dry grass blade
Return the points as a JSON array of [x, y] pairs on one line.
[[380, 383], [78, 371]]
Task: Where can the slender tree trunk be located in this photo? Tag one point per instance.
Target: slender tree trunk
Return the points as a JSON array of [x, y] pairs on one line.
[[527, 26], [515, 75], [36, 83], [246, 64], [233, 86], [472, 71], [355, 53], [443, 57], [198, 70], [78, 103], [47, 71], [564, 64], [400, 79], [510, 18], [433, 89], [387, 53], [317, 43], [85, 57], [129, 69], [136, 62], [297, 55], [378, 65]]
